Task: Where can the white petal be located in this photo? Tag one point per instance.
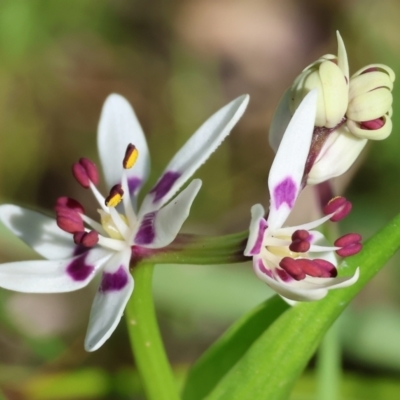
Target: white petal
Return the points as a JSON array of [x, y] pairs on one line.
[[258, 225], [109, 303], [42, 276], [194, 153], [337, 155], [308, 289], [118, 127], [280, 121], [38, 231], [159, 228], [287, 170]]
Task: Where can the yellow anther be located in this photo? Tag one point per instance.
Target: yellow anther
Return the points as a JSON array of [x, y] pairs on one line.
[[115, 196], [131, 155]]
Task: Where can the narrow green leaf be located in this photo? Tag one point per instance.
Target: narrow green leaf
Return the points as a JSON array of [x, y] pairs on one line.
[[269, 369], [226, 351]]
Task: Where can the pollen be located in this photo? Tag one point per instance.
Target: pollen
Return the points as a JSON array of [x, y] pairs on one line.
[[115, 196], [131, 155]]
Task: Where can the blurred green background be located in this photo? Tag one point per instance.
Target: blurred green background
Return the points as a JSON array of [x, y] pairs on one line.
[[177, 62]]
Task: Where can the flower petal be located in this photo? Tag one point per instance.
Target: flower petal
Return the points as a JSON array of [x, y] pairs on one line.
[[308, 289], [258, 225], [342, 60], [287, 170], [109, 303], [280, 121], [38, 231], [53, 276], [118, 127], [159, 228], [337, 155], [194, 153]]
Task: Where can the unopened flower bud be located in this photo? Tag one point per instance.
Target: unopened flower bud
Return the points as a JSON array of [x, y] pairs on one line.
[[370, 102], [329, 75]]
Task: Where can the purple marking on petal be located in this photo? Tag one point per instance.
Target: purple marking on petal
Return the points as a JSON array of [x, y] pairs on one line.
[[78, 270], [260, 237], [283, 275], [111, 282], [133, 184], [264, 270], [146, 232], [285, 192], [164, 185]]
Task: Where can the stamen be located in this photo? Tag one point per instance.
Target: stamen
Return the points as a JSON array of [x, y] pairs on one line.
[[69, 220], [350, 244], [87, 239], [339, 206], [115, 196], [311, 268], [300, 243], [293, 268], [131, 155], [85, 171], [326, 266], [67, 202]]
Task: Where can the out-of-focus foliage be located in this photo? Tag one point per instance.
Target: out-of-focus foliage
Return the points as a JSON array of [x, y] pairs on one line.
[[177, 62]]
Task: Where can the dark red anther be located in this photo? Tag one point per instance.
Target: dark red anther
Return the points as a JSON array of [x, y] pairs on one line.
[[292, 268], [311, 268], [299, 246], [373, 124], [350, 244], [87, 239], [69, 220], [85, 171], [300, 243], [67, 202], [300, 234], [340, 206], [327, 266]]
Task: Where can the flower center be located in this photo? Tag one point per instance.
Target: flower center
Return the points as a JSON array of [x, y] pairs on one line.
[[115, 230]]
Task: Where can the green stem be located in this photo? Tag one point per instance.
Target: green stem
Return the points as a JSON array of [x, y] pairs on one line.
[[147, 347], [329, 366]]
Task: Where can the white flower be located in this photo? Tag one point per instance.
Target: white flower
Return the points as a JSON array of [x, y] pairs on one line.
[[296, 261], [82, 248]]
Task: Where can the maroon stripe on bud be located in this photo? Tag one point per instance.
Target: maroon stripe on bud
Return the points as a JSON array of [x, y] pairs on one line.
[[340, 206], [67, 202], [69, 221], [87, 239], [373, 124], [292, 268], [85, 171], [372, 69]]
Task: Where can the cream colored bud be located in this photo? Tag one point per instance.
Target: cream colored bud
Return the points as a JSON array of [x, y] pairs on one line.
[[370, 102], [329, 75]]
